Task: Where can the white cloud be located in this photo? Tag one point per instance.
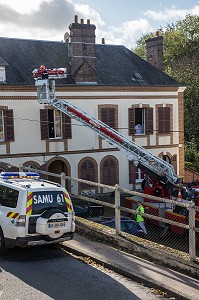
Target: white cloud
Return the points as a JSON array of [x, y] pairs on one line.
[[22, 6], [170, 14], [125, 34], [84, 11]]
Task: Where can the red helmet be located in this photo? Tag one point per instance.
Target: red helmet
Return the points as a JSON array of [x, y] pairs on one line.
[[42, 67]]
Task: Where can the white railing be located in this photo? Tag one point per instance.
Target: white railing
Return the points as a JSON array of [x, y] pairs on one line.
[[116, 205]]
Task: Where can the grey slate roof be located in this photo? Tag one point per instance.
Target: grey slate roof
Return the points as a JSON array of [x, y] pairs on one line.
[[115, 65], [3, 62]]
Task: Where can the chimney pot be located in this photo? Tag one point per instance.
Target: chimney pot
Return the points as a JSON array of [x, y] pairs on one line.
[[82, 21], [88, 21], [103, 40], [76, 19]]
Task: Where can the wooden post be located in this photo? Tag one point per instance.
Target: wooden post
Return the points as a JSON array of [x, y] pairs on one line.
[[192, 234], [117, 210], [63, 181]]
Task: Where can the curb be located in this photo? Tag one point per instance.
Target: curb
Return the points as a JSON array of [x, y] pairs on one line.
[[178, 261], [124, 272]]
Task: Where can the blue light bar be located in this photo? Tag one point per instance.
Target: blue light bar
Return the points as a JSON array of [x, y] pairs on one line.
[[19, 175]]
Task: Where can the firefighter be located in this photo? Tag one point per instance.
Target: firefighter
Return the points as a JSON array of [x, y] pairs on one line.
[[139, 219], [44, 73]]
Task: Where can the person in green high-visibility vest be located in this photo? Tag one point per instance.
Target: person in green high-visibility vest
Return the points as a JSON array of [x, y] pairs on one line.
[[139, 219]]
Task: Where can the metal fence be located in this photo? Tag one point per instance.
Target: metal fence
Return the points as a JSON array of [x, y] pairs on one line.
[[168, 222]]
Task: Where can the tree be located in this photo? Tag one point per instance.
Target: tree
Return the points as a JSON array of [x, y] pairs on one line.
[[181, 62]]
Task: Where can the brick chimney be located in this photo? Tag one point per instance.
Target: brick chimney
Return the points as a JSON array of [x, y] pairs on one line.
[[82, 51], [154, 49]]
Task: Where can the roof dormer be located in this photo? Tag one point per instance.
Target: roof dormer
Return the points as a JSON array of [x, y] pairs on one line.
[[2, 74], [3, 65]]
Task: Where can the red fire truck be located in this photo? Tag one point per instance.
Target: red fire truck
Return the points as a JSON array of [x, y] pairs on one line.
[[161, 180]]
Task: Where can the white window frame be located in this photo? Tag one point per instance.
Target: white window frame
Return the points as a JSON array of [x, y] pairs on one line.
[[2, 74], [139, 175]]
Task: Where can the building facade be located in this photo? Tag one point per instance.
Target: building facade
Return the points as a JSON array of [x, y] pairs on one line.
[[108, 82]]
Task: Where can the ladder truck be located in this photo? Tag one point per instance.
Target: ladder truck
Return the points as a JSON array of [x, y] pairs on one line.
[[160, 173], [160, 176]]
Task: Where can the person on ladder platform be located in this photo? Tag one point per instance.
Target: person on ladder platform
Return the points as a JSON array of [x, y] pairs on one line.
[[44, 73]]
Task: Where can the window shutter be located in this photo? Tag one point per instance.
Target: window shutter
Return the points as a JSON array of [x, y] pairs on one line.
[[9, 125], [164, 119], [108, 116], [174, 162], [44, 124], [87, 172], [66, 126], [132, 172], [109, 170], [160, 119], [131, 121], [167, 119], [149, 120]]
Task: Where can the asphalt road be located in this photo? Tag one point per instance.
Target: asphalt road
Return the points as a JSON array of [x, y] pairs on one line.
[[47, 273]]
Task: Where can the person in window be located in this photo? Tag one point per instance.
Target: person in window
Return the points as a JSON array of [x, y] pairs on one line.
[[138, 129], [44, 73]]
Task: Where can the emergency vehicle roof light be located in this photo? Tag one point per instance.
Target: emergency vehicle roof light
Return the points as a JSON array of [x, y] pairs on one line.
[[19, 175]]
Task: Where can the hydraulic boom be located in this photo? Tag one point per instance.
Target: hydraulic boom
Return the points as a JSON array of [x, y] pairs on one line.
[[150, 164]]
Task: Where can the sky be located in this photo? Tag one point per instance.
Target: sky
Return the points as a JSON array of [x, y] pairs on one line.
[[120, 22]]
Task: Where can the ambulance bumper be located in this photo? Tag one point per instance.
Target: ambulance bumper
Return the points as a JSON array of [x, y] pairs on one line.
[[37, 240]]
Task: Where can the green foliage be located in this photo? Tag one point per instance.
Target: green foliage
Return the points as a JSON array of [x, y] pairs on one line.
[[191, 156], [181, 62]]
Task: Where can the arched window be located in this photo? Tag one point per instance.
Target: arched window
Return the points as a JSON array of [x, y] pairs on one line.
[[87, 172], [110, 171], [166, 158]]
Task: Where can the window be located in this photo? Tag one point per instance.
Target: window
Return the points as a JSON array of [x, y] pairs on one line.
[[135, 174], [6, 125], [109, 171], [140, 121], [2, 74], [87, 172], [9, 197], [108, 116], [56, 201], [164, 120], [166, 158], [55, 124]]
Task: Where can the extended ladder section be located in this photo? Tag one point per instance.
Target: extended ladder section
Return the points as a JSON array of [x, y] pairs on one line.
[[146, 161]]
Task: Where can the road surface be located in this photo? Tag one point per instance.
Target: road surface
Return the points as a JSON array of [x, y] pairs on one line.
[[45, 273]]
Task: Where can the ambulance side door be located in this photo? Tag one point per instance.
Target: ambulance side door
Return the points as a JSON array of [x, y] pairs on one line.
[[8, 213]]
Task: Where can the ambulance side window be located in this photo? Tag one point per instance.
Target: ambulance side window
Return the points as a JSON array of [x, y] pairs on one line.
[[2, 190], [10, 197]]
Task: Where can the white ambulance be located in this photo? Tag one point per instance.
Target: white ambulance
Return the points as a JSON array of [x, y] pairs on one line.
[[33, 211]]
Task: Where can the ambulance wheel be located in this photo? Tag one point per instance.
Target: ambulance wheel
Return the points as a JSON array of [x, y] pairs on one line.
[[3, 249]]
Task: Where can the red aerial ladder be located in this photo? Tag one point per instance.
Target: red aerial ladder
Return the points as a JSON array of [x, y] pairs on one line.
[[161, 173], [160, 177]]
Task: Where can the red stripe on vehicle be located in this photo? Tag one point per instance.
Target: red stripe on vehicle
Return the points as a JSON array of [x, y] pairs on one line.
[[29, 197]]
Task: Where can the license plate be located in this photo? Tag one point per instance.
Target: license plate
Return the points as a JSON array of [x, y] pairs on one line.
[[57, 225]]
